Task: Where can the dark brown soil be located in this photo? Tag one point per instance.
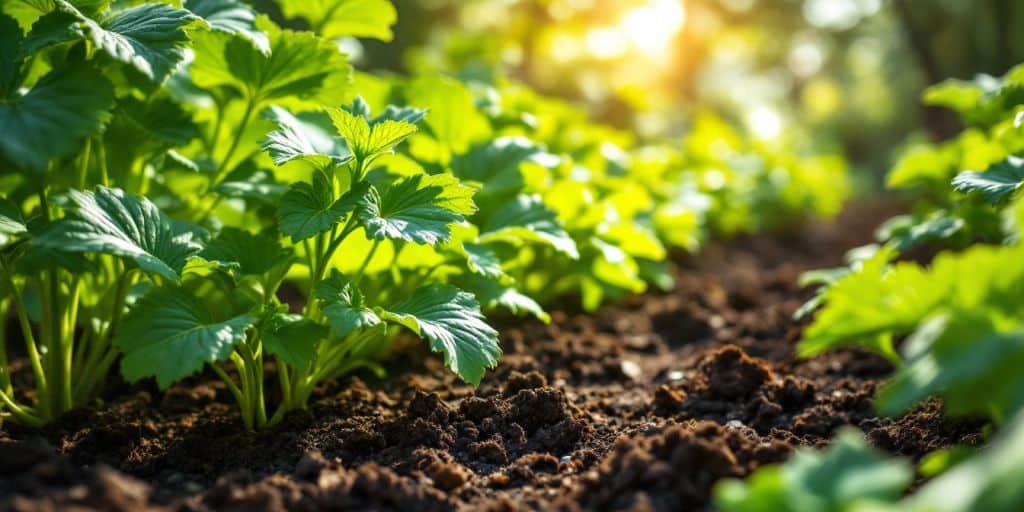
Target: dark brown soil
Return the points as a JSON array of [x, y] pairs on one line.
[[642, 406]]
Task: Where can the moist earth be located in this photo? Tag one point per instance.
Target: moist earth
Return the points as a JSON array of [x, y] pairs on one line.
[[641, 406]]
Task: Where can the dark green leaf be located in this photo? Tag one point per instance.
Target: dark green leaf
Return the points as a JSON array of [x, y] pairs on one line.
[[231, 17], [527, 218], [254, 254], [293, 338], [451, 321], [342, 304], [418, 208], [308, 209], [296, 138], [169, 334], [996, 183], [52, 118], [110, 221]]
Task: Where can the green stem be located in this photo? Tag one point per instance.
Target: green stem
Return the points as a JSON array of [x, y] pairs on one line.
[[366, 261], [101, 155], [26, 332], [5, 376], [250, 106], [83, 170], [22, 414], [235, 391]]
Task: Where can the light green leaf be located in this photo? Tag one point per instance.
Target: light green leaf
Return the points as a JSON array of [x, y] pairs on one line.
[[11, 221], [528, 219], [849, 473], [296, 138], [451, 321], [109, 221], [252, 184], [52, 118], [482, 260], [308, 209], [300, 66], [493, 294], [418, 208], [169, 334], [339, 18], [996, 183], [366, 137], [231, 17], [454, 119], [149, 37], [342, 304], [293, 338]]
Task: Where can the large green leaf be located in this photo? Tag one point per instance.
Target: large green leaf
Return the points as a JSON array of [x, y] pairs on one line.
[[527, 218], [418, 208], [451, 321], [996, 183], [342, 304], [109, 221], [494, 294], [168, 334], [308, 209], [300, 66], [297, 138], [338, 18], [231, 17], [52, 118], [149, 37], [293, 338]]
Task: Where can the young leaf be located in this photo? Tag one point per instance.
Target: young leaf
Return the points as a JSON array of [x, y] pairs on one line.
[[52, 118], [994, 184], [527, 218], [417, 209], [169, 334], [307, 209], [293, 338], [368, 137], [493, 294], [297, 139], [11, 221], [231, 17], [109, 221], [300, 66], [342, 304], [451, 321], [149, 37], [334, 19]]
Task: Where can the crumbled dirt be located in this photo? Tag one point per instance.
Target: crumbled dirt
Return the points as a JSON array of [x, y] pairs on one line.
[[642, 406]]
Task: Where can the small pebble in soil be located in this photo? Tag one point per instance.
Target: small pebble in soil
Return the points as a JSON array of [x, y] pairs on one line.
[[631, 369], [675, 375], [734, 424]]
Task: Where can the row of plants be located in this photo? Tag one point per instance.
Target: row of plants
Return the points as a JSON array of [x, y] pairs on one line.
[[171, 172], [953, 329]]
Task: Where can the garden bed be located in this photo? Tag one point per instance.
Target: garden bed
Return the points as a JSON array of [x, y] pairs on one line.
[[642, 405]]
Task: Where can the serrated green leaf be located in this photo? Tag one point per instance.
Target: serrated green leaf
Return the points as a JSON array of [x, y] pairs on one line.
[[149, 37], [342, 304], [293, 338], [109, 221], [905, 231], [340, 18], [298, 139], [168, 334], [996, 183], [254, 254], [367, 137], [482, 260], [300, 66], [527, 218], [231, 17], [308, 209], [451, 321], [418, 208], [52, 118]]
